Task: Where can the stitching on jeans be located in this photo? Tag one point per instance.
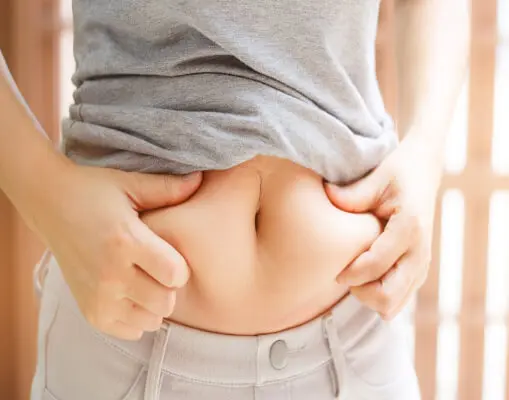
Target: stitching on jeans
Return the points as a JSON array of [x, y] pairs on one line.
[[134, 384], [350, 344], [104, 339], [44, 351], [383, 386], [117, 348], [229, 384], [57, 293], [48, 392], [160, 385]]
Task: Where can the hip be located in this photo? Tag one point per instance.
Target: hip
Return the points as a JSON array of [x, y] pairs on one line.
[[348, 353]]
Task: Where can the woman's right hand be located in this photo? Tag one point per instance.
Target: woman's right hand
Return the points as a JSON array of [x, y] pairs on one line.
[[122, 275]]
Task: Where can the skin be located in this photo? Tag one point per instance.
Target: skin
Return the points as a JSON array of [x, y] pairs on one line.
[[432, 39], [264, 245], [122, 275]]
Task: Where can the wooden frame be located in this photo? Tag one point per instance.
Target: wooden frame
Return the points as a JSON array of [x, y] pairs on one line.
[[477, 183]]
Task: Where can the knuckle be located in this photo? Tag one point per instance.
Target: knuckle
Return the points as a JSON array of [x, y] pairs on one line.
[[372, 271], [371, 268], [119, 239], [108, 275], [154, 303], [154, 324], [128, 277], [155, 295], [378, 268], [132, 335], [95, 318], [160, 303]]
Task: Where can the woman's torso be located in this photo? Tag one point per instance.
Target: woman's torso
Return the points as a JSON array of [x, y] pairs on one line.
[[264, 246], [233, 87]]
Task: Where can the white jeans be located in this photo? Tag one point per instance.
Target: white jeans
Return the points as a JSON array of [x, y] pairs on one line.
[[348, 354]]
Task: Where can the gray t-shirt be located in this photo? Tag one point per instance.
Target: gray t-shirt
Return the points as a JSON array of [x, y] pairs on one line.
[[183, 85]]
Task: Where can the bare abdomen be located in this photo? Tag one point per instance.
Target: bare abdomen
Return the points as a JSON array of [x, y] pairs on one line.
[[264, 245]]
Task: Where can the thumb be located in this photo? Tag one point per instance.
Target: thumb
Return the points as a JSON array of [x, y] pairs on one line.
[[360, 196], [151, 191]]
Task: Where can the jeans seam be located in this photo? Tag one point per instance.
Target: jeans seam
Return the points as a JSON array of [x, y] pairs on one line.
[[365, 331], [397, 380], [117, 348], [134, 384], [227, 384], [104, 339], [48, 392]]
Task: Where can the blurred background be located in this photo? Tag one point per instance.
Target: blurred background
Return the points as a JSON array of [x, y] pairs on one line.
[[457, 324]]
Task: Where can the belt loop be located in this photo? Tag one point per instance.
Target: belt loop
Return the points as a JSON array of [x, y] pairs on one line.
[[155, 366], [333, 343]]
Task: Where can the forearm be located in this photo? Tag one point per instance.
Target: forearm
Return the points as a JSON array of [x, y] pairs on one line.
[[29, 163], [432, 46]]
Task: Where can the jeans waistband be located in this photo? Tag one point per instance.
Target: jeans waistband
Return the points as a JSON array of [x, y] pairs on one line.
[[239, 360]]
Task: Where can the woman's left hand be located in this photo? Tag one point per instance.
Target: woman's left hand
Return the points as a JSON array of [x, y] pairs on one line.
[[402, 192]]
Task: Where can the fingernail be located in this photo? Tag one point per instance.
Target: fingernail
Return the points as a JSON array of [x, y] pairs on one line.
[[192, 176]]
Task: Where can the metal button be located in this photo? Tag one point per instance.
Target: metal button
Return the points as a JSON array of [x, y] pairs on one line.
[[279, 354]]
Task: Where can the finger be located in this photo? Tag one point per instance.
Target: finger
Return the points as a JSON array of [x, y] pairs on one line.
[[385, 297], [159, 260], [382, 255], [412, 289], [361, 196], [401, 305], [150, 294], [369, 294], [139, 318], [123, 331], [150, 191]]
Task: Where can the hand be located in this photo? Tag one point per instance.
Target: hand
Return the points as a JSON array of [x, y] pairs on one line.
[[122, 275], [402, 193]]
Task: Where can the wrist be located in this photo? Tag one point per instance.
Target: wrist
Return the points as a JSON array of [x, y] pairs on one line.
[[429, 141], [37, 190], [427, 154]]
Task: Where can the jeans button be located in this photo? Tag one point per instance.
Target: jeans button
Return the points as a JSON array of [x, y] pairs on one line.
[[279, 354]]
